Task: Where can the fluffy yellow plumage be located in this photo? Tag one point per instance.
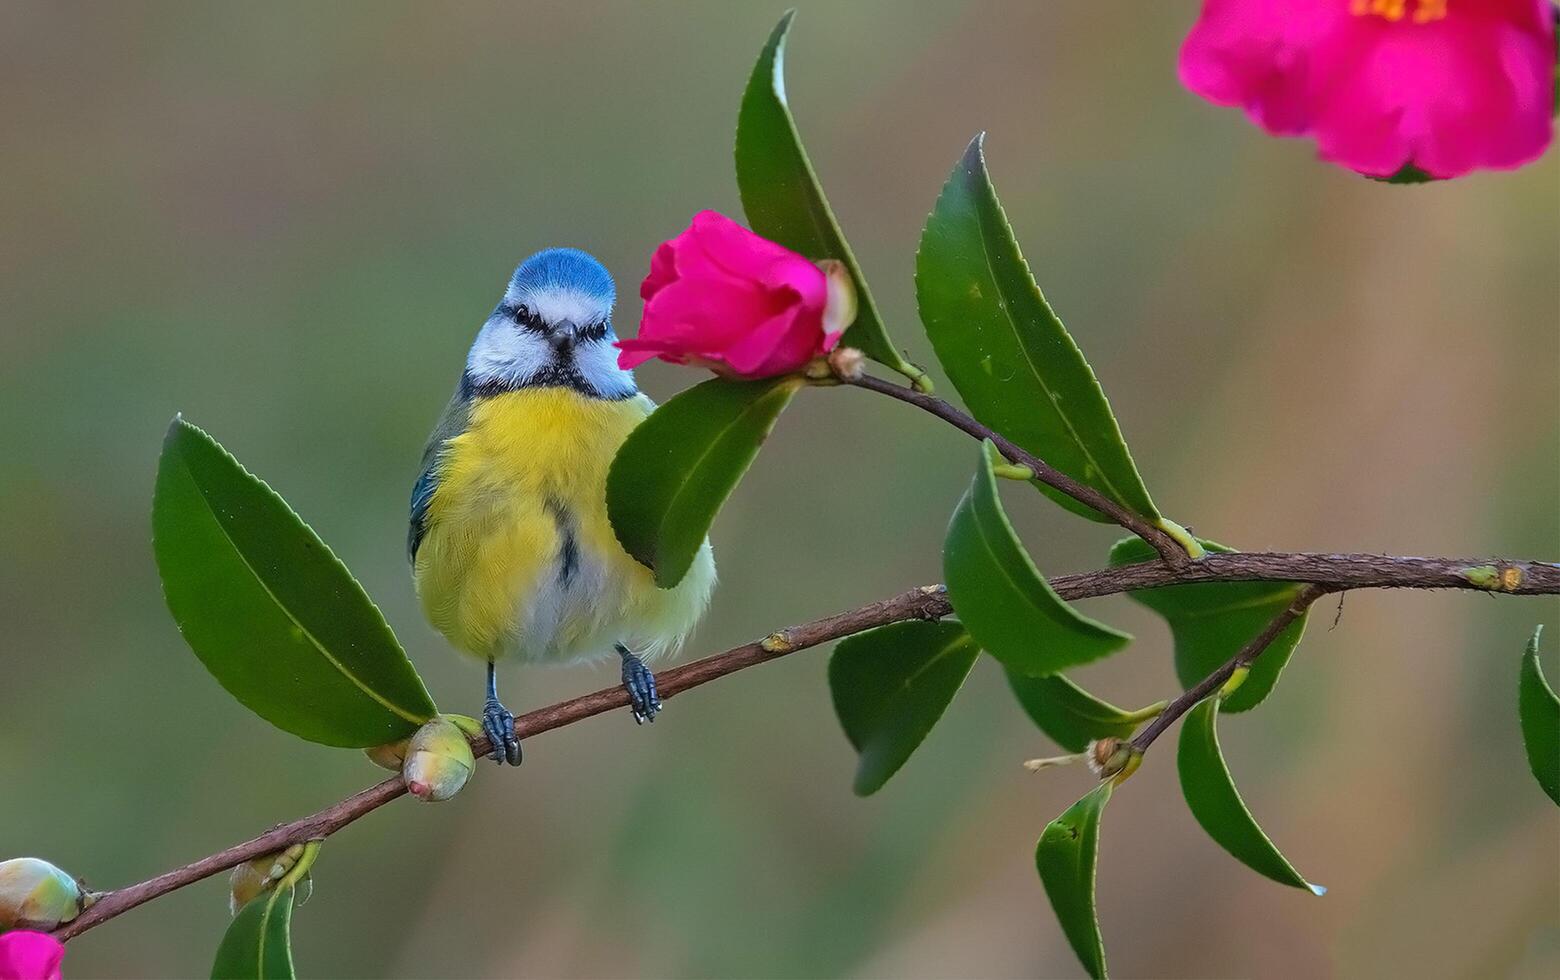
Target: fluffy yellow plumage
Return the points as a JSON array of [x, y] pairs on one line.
[[519, 557], [512, 550]]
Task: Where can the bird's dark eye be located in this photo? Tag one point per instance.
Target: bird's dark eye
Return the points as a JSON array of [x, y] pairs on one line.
[[527, 319], [596, 331]]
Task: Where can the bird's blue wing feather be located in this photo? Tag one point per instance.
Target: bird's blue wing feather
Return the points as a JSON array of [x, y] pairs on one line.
[[422, 496], [451, 424]]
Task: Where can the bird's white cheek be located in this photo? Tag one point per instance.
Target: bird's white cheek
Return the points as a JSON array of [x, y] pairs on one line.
[[503, 352], [597, 363]]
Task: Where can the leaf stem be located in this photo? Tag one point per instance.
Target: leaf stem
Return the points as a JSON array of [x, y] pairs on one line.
[[1012, 471], [1157, 538], [1215, 681], [1182, 537], [1145, 713]]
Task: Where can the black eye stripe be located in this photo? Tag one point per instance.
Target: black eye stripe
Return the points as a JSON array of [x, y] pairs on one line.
[[526, 319], [529, 320]]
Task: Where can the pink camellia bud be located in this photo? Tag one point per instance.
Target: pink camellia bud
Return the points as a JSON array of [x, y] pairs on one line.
[[28, 955], [722, 297]]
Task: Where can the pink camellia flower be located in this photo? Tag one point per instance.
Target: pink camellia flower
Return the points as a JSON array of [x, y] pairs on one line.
[[28, 955], [1445, 86], [721, 296]]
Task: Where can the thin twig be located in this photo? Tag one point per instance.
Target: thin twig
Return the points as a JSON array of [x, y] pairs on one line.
[[1328, 572], [1251, 651], [1052, 477], [930, 602]]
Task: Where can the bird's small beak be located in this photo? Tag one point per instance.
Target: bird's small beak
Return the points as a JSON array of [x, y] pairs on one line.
[[562, 336]]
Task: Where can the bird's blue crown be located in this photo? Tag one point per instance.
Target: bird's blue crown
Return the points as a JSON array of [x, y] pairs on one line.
[[564, 270]]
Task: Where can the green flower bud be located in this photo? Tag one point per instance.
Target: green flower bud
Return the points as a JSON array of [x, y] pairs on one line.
[[1108, 756], [34, 894], [438, 762]]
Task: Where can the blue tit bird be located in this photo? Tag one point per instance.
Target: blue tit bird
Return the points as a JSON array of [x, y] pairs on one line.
[[511, 549]]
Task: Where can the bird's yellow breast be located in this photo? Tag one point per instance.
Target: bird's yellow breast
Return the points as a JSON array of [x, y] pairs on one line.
[[547, 440], [519, 556]]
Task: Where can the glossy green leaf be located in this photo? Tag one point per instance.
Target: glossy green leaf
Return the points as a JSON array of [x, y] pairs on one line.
[[1214, 801], [270, 611], [258, 943], [1539, 710], [1211, 621], [784, 201], [1071, 716], [1014, 364], [1001, 597], [676, 469], [891, 685], [1066, 858]]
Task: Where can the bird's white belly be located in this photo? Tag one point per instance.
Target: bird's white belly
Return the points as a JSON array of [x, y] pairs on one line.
[[568, 618]]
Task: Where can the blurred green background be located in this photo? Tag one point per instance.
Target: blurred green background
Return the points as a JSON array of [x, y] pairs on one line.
[[287, 222]]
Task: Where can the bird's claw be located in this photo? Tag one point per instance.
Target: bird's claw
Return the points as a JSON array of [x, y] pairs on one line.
[[499, 726], [640, 684]]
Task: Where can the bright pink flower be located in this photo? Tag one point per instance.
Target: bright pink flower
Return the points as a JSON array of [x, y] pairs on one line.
[[1447, 86], [30, 956], [722, 296]]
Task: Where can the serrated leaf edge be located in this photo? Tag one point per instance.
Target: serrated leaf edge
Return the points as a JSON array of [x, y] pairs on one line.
[[181, 424], [986, 479], [1209, 708], [827, 225], [977, 150]]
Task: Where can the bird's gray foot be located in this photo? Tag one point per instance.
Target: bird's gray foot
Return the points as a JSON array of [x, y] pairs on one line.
[[498, 724], [640, 684]]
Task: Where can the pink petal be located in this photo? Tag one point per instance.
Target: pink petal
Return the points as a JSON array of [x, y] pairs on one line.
[[28, 955], [632, 353], [802, 278], [707, 313], [1484, 102], [1457, 94], [663, 271], [1253, 54], [1356, 120], [733, 248], [695, 316], [781, 345]]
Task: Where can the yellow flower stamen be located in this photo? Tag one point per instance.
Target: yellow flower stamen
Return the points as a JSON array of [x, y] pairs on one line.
[[1425, 11]]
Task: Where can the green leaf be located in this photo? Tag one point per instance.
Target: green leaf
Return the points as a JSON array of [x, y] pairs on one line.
[[1014, 364], [1001, 597], [1211, 794], [1211, 621], [1539, 710], [1066, 858], [677, 468], [1071, 716], [258, 943], [891, 685], [784, 201], [270, 611]]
